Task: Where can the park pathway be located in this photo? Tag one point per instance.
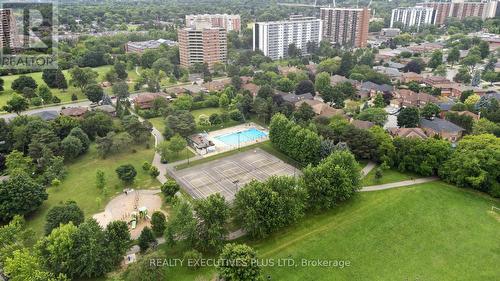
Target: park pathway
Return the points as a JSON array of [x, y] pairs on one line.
[[367, 169], [398, 184]]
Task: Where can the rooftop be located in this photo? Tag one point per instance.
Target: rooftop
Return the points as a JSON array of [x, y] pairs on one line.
[[440, 125]]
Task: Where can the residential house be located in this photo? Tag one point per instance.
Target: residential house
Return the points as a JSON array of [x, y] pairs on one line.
[[445, 107], [293, 98], [396, 65], [466, 113], [285, 70], [217, 85], [369, 89], [194, 88], [407, 133], [448, 88], [426, 47], [411, 77], [320, 108], [441, 127], [176, 91], [46, 115], [405, 98], [109, 109], [393, 73], [361, 124], [336, 79], [145, 100], [251, 87], [76, 112]]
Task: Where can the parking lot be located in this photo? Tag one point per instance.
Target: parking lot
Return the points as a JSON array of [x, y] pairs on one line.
[[227, 175]]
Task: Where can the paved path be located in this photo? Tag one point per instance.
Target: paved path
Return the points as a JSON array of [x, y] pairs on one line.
[[398, 184], [367, 168]]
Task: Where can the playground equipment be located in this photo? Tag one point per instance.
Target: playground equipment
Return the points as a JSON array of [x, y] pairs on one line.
[[135, 217]]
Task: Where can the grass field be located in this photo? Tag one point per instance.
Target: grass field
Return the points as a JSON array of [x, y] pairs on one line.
[[388, 176], [79, 185], [64, 96], [430, 231]]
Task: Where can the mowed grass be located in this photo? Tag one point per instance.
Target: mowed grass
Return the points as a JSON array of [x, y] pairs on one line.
[[388, 176], [79, 185], [65, 96], [430, 231]]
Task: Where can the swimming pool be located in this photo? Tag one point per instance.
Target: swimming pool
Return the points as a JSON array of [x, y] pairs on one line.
[[244, 136]]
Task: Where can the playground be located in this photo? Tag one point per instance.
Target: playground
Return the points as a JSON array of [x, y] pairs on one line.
[[227, 175], [133, 207]]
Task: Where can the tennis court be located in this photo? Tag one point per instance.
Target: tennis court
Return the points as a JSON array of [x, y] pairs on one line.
[[227, 175]]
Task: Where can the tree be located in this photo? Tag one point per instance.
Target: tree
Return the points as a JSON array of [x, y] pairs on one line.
[[126, 173], [322, 82], [241, 263], [177, 144], [181, 224], [80, 134], [63, 214], [16, 104], [472, 164], [415, 65], [263, 207], [22, 82], [373, 114], [491, 77], [181, 122], [170, 188], [329, 65], [26, 265], [265, 92], [146, 238], [139, 131], [453, 56], [56, 249], [224, 101], [20, 195], [71, 147], [100, 179], [285, 85], [293, 51], [90, 255], [213, 213], [121, 70], [379, 101], [304, 113], [409, 117], [117, 236], [120, 90], [335, 179], [430, 110], [1, 85], [158, 223], [346, 64], [361, 142], [96, 123], [440, 70], [423, 157], [484, 49], [45, 94], [54, 78], [485, 126], [305, 87], [472, 99], [154, 172], [236, 82], [436, 59], [464, 121], [94, 93], [82, 77]]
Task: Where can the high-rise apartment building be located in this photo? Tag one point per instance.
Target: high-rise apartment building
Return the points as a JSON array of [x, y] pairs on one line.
[[413, 16], [8, 30], [228, 22], [202, 45], [345, 26], [273, 38], [461, 10]]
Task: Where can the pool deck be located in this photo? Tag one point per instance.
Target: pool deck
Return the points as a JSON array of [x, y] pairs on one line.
[[223, 147]]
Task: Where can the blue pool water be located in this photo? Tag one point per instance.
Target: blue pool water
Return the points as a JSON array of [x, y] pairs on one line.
[[245, 136]]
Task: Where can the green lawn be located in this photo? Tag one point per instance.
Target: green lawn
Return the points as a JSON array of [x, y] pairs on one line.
[[388, 176], [207, 111], [65, 96], [158, 123], [79, 185], [430, 231]]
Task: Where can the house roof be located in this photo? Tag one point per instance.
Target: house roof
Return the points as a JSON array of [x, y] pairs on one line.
[[390, 71], [440, 125], [321, 108], [368, 85], [360, 124], [395, 65], [200, 140], [146, 97], [106, 108], [408, 132], [74, 111], [47, 115], [293, 98], [415, 97], [446, 106]]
